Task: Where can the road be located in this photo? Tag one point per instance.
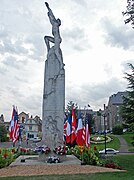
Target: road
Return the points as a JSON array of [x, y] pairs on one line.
[[23, 144], [122, 150]]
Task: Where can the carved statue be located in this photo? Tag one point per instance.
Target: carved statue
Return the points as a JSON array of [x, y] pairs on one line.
[[56, 39], [54, 86]]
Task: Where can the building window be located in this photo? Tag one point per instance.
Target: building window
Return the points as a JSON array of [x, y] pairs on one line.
[[23, 119], [30, 128], [30, 135], [31, 121]]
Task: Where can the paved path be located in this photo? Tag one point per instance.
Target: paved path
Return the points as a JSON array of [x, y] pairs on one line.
[[30, 144], [123, 144]]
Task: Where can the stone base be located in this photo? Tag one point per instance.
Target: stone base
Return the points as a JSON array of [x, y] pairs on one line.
[[35, 160]]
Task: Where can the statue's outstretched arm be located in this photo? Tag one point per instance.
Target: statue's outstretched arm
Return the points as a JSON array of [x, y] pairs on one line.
[[50, 13]]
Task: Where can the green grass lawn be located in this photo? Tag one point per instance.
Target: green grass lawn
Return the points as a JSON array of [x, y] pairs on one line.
[[126, 161], [115, 143]]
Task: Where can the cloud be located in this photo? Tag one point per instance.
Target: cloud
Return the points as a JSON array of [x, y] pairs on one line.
[[76, 39], [95, 47], [80, 2], [37, 46], [94, 94], [13, 48], [116, 35]]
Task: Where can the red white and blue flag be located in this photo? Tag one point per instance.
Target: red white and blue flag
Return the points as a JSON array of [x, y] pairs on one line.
[[68, 129], [65, 129], [86, 132], [74, 125], [14, 126], [79, 139]]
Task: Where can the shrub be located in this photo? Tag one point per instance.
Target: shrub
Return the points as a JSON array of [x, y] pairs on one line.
[[88, 156], [118, 129], [109, 162], [110, 165], [6, 157]]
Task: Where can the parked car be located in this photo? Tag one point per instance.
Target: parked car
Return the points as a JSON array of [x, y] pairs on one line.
[[109, 151], [42, 149], [36, 139], [53, 159]]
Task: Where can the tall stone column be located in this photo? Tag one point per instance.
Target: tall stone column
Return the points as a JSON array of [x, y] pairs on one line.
[[54, 88]]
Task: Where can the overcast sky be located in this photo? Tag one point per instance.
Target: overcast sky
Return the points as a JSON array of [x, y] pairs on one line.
[[96, 47]]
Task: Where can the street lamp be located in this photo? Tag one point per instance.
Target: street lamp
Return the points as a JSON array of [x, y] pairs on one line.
[[105, 127]]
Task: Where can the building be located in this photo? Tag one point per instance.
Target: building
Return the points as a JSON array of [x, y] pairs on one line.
[[30, 127], [114, 104], [91, 114], [100, 120]]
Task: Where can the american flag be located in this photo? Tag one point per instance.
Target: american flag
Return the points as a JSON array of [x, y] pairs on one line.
[[14, 126], [86, 132], [83, 134]]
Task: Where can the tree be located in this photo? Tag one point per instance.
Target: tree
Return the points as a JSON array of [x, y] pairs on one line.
[[127, 109], [70, 105], [129, 12], [3, 133]]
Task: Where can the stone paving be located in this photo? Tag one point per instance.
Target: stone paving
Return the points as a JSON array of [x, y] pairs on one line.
[[36, 160]]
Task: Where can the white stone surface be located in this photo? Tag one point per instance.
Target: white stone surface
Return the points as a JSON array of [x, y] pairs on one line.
[[53, 101], [54, 88]]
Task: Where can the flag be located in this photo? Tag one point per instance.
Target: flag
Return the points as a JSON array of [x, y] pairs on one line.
[[68, 129], [74, 124], [14, 127], [65, 129], [79, 138], [83, 135], [87, 135], [86, 132]]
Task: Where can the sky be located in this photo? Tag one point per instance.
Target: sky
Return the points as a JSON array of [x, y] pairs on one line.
[[96, 47]]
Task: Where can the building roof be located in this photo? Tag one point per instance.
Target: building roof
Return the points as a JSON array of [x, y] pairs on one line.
[[117, 99], [24, 113]]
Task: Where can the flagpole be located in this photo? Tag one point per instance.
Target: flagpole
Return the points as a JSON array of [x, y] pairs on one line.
[[82, 162], [19, 140], [82, 159], [105, 127]]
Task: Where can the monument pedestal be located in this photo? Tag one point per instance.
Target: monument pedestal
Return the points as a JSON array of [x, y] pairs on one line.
[[53, 101]]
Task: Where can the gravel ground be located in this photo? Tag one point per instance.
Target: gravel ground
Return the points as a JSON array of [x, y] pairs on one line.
[[30, 170]]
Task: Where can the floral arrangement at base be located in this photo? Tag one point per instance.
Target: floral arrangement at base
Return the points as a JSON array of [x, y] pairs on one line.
[[26, 151], [53, 159], [60, 150]]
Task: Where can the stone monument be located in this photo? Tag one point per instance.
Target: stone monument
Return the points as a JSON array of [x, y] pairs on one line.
[[54, 87]]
